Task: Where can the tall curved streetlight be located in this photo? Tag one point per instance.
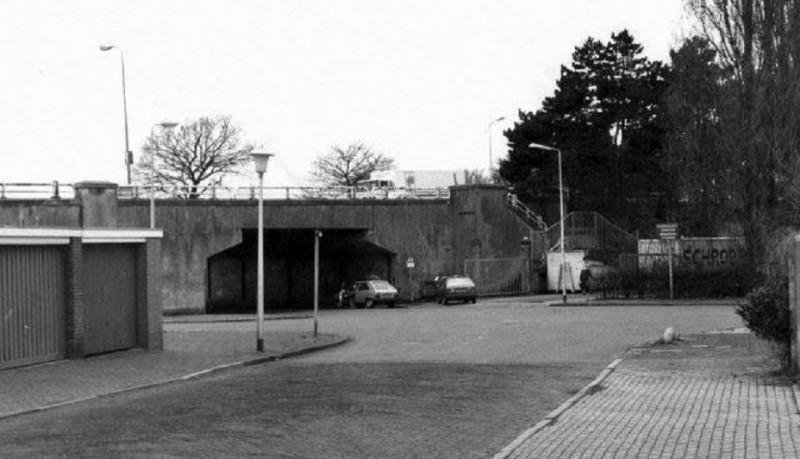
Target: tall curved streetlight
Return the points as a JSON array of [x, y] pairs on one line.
[[128, 152], [489, 130], [260, 160], [563, 267]]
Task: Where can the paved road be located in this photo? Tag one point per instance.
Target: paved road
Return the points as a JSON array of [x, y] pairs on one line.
[[458, 381]]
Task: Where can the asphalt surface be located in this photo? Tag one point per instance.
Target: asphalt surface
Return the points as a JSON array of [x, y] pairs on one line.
[[456, 381]]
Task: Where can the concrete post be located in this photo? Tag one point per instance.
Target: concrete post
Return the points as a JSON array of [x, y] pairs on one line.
[[98, 202]]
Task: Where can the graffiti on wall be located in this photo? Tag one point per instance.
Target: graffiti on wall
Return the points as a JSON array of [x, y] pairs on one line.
[[711, 257], [717, 253]]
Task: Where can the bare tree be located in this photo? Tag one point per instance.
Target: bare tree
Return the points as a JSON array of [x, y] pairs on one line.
[[757, 123], [477, 177], [348, 166], [196, 155]]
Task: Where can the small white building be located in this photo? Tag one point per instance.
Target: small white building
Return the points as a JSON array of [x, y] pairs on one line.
[[399, 179]]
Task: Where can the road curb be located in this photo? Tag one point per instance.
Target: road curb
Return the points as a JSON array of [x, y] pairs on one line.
[[235, 319], [190, 376], [552, 417], [590, 304]]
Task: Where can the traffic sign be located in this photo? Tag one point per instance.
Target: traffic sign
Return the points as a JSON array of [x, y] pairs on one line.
[[668, 231]]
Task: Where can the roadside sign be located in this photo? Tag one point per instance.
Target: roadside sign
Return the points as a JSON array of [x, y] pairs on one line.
[[667, 231], [410, 263]]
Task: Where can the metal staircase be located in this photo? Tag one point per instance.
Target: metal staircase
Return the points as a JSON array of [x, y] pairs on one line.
[[531, 218], [582, 231], [590, 230]]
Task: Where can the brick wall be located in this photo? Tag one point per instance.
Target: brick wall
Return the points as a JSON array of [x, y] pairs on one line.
[[148, 266], [76, 328]]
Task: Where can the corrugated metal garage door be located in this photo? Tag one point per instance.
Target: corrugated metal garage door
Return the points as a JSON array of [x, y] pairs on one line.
[[32, 304], [110, 280]]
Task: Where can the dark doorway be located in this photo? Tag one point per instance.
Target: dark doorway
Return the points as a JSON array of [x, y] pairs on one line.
[[345, 256]]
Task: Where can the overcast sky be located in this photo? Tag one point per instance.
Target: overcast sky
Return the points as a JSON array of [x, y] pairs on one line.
[[418, 80]]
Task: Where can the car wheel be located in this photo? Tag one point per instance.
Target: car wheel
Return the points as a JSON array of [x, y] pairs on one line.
[[369, 303], [474, 300], [444, 301], [391, 305]]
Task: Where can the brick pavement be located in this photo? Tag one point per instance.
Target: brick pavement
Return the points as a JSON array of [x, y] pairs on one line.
[[709, 396], [186, 354]]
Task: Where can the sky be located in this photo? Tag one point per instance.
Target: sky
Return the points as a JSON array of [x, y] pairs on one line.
[[418, 80]]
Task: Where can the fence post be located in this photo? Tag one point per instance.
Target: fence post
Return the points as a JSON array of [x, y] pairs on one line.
[[597, 238], [2, 190], [794, 260], [55, 189]]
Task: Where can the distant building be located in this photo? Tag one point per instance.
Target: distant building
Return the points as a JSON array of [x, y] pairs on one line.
[[397, 179]]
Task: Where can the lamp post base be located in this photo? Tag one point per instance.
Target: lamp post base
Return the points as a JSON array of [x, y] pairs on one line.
[[260, 344]]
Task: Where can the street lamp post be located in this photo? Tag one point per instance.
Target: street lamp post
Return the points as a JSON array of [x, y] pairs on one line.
[[128, 152], [489, 130], [317, 237], [260, 159], [562, 269]]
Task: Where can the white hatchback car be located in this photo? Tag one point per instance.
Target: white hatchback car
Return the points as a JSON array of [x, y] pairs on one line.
[[371, 292]]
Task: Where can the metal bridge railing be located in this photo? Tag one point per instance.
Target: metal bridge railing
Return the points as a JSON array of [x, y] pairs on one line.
[[56, 190], [278, 193], [36, 191], [590, 230], [534, 220]]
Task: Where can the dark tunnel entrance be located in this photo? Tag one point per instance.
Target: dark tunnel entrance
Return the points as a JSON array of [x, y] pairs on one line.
[[345, 256]]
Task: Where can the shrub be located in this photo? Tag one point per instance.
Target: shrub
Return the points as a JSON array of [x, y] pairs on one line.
[[687, 283], [766, 312]]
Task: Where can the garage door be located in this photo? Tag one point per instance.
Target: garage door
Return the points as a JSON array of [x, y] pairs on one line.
[[32, 304], [110, 282]]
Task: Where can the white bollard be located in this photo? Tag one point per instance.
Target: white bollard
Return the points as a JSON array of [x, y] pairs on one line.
[[669, 335]]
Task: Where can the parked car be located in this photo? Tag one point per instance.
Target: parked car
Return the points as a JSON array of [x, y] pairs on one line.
[[368, 293], [456, 288]]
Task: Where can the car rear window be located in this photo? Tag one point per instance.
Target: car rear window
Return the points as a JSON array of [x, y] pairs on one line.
[[460, 282]]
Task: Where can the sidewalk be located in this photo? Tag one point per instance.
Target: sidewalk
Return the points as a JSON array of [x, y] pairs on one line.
[[186, 354], [710, 395]]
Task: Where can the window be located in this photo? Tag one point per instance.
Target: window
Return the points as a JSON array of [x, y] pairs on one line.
[[460, 282]]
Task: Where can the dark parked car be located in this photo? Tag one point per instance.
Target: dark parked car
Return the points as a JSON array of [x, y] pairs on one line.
[[458, 288]]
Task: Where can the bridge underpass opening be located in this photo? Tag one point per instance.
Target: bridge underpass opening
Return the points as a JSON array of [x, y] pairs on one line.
[[345, 256]]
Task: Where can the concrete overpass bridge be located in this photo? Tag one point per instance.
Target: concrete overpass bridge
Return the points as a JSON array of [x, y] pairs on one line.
[[209, 245]]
